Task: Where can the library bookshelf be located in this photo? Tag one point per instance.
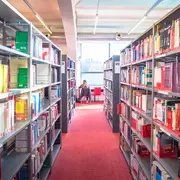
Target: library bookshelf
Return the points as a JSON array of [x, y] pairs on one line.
[[149, 101], [30, 99], [68, 91], [111, 91]]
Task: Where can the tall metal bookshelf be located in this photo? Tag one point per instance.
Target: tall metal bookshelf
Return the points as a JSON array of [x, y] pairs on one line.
[[147, 85], [21, 154], [111, 91], [68, 91]]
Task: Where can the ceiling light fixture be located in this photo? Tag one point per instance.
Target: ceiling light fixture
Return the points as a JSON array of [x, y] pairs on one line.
[[37, 16], [145, 16], [137, 25], [96, 20]]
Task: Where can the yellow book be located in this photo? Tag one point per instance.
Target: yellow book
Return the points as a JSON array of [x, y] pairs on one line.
[[5, 78], [1, 78]]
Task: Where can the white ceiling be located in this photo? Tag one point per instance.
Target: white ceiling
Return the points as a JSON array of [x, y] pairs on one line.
[[117, 16]]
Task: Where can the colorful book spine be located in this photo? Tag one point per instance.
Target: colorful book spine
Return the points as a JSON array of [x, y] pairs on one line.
[[21, 107]]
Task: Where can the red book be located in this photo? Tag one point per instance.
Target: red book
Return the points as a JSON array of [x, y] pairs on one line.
[[119, 108]]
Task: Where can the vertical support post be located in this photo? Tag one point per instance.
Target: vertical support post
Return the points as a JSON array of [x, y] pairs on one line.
[[30, 72], [4, 34], [153, 65], [130, 110]]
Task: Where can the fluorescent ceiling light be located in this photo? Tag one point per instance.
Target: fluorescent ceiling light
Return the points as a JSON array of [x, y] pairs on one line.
[[39, 18], [137, 25], [96, 20], [145, 16]]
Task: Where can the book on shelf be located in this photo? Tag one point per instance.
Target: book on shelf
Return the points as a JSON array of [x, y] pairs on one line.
[[22, 39], [15, 65], [43, 74], [21, 107], [164, 146], [37, 46], [38, 155], [54, 56], [167, 111], [4, 76], [167, 37], [158, 172], [167, 76], [22, 174], [139, 148], [45, 53], [21, 141], [54, 75], [140, 125], [7, 116]]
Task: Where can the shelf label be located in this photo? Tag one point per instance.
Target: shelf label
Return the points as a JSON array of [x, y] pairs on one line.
[[117, 68], [63, 67]]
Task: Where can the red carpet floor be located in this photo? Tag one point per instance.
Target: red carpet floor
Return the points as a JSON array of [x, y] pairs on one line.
[[90, 150]]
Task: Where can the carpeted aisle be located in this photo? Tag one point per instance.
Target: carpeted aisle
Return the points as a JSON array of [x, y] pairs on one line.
[[90, 150]]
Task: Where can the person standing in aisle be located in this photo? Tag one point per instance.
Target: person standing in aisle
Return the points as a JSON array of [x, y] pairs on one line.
[[85, 91]]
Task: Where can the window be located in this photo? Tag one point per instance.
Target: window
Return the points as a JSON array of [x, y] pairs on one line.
[[115, 48], [93, 57]]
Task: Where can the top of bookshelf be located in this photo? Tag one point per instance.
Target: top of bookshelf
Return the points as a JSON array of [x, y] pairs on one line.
[[15, 20], [9, 14], [150, 29]]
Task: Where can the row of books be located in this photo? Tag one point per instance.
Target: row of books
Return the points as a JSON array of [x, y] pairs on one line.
[[124, 110], [23, 173], [39, 154], [108, 84], [142, 101], [108, 75], [138, 147], [140, 125], [143, 49], [167, 36], [108, 94], [70, 63], [70, 74], [125, 75], [50, 54], [164, 146], [55, 92], [55, 56], [158, 172], [125, 93], [142, 75], [167, 112], [7, 116], [71, 84], [124, 145], [167, 76], [54, 112], [125, 56], [108, 65], [136, 168], [125, 129]]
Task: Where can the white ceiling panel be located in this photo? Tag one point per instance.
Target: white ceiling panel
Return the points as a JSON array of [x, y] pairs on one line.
[[119, 15]]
